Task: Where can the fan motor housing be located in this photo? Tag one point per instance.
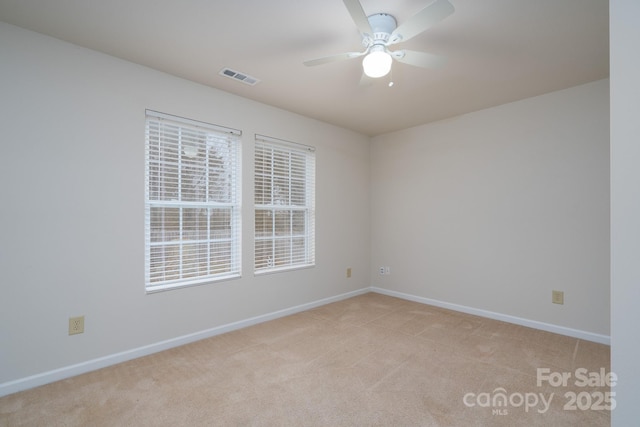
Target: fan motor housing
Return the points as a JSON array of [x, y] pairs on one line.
[[382, 25]]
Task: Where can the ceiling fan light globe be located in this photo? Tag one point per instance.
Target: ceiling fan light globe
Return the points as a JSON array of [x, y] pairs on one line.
[[377, 64]]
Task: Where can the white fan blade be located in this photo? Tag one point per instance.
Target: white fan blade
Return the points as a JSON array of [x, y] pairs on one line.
[[333, 58], [430, 15], [419, 59], [358, 16]]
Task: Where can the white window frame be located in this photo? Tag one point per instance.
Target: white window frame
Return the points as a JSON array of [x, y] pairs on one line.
[[284, 214], [192, 230]]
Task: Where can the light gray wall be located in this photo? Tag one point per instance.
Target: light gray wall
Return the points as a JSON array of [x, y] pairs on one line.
[[72, 213], [495, 209], [625, 208]]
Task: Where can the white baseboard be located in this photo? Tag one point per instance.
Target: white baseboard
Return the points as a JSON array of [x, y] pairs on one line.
[[102, 362], [43, 378], [576, 333]]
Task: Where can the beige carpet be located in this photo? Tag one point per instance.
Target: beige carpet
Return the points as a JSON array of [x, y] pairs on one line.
[[365, 361]]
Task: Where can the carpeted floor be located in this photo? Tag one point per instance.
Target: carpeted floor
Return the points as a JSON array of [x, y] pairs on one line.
[[370, 360]]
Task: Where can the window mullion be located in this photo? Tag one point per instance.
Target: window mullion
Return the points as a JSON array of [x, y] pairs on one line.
[[290, 198], [180, 212], [162, 188], [273, 211], [209, 210]]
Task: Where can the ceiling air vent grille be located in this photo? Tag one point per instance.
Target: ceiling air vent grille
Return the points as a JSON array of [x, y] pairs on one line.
[[236, 75]]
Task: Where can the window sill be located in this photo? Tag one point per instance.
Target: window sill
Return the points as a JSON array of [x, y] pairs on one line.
[[283, 269], [191, 283]]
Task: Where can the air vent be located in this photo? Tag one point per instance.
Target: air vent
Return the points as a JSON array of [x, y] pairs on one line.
[[242, 77]]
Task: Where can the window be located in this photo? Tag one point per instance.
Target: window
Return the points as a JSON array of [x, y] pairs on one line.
[[284, 205], [192, 202]]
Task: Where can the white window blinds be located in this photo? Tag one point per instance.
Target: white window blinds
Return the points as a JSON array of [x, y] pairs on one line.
[[284, 181], [192, 203]]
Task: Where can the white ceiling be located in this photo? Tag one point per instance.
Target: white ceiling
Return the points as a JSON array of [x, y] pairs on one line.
[[497, 51]]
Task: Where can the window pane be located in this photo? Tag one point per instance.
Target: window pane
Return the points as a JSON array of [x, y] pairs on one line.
[[298, 193], [264, 254], [165, 262], [298, 250], [193, 180], [194, 224], [298, 222], [282, 253], [220, 261], [264, 223], [165, 224], [190, 264], [280, 191], [262, 190], [283, 223], [163, 181], [220, 223], [220, 176]]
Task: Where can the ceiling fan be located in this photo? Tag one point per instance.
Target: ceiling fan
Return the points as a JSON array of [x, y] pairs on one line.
[[380, 30]]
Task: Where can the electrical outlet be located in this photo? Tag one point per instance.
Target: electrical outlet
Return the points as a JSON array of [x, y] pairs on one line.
[[381, 270], [76, 325], [557, 297], [348, 272]]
